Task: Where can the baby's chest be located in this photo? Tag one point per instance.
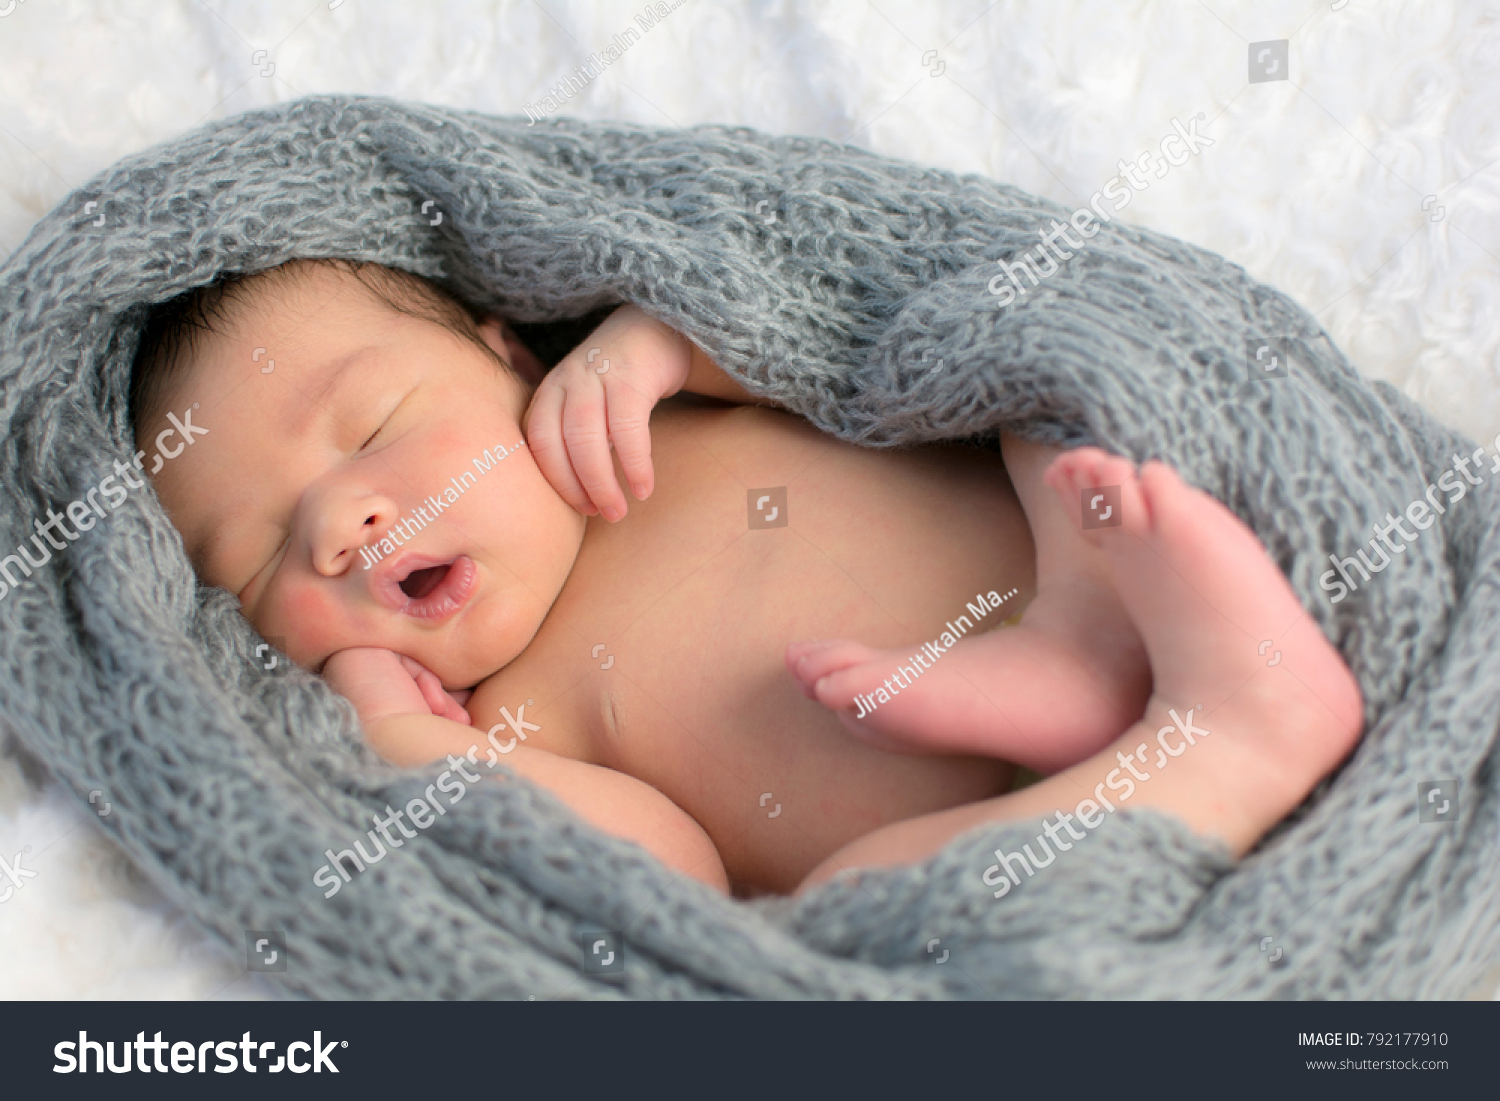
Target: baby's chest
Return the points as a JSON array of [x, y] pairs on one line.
[[762, 530], [663, 656], [761, 524]]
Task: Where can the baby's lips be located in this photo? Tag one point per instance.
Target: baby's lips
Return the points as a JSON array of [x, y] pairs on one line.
[[385, 583], [455, 588]]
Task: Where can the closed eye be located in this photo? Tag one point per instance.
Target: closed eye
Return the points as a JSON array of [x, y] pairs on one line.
[[383, 424], [267, 565], [373, 434]]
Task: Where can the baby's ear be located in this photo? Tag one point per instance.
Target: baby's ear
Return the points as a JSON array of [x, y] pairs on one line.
[[498, 335]]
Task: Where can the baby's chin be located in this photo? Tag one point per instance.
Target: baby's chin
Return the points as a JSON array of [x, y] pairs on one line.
[[471, 664], [465, 677]]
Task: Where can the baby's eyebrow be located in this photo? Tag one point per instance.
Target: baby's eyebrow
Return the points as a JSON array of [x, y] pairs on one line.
[[337, 375], [340, 369]]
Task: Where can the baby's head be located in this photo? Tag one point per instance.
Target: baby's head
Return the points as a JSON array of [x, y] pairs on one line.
[[342, 404]]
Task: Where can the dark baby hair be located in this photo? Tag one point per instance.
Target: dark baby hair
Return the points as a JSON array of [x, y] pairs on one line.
[[176, 328]]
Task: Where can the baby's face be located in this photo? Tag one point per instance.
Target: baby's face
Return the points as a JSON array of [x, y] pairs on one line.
[[366, 414]]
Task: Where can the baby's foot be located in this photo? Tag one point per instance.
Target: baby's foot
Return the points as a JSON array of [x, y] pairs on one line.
[[1044, 694], [1207, 599]]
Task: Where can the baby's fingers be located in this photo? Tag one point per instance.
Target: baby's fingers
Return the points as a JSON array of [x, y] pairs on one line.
[[544, 438], [438, 701], [630, 430], [585, 432], [372, 679]]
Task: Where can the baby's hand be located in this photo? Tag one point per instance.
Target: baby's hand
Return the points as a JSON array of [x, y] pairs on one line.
[[381, 683], [600, 396]]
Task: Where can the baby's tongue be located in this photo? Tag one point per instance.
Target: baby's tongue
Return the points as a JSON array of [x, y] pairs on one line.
[[421, 582]]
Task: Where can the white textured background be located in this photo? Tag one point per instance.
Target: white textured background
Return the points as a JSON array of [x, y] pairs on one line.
[[1315, 184]]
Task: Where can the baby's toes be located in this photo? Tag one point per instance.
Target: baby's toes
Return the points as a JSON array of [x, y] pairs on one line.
[[837, 688], [809, 662], [1099, 490], [1192, 521], [1074, 469]]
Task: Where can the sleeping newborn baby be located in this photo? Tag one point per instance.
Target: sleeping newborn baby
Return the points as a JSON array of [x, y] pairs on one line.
[[402, 494]]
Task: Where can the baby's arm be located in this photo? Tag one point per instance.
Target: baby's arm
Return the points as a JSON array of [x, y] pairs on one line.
[[398, 714], [707, 378], [608, 800]]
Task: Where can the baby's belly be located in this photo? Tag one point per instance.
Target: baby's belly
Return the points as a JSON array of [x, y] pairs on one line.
[[778, 784], [696, 603]]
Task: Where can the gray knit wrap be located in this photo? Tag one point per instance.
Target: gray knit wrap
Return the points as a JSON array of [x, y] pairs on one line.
[[834, 281]]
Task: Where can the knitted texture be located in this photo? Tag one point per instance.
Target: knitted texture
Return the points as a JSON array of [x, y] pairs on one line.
[[853, 289]]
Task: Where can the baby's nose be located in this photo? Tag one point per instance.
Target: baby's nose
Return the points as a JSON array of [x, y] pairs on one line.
[[343, 527]]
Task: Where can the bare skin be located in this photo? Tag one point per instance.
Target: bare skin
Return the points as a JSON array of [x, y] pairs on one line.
[[651, 653], [694, 610], [1201, 590], [1045, 694]]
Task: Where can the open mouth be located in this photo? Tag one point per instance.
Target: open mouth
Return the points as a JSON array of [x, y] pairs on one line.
[[421, 582], [426, 588]]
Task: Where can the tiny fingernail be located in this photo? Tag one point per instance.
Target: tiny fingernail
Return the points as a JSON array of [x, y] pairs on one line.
[[639, 489], [612, 514]]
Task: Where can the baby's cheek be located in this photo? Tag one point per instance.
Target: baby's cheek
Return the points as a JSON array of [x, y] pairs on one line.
[[310, 620]]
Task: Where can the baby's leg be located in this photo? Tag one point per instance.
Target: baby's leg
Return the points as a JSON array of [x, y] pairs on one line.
[[1205, 595], [1045, 693]]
